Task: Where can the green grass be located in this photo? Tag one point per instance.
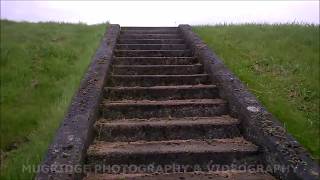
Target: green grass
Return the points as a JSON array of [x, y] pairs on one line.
[[41, 67], [280, 65]]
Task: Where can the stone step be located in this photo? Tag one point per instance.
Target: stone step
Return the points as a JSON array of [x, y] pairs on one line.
[[150, 36], [157, 69], [125, 32], [151, 46], [170, 108], [157, 80], [158, 129], [149, 28], [162, 92], [162, 175], [152, 53], [154, 60], [187, 153], [151, 41]]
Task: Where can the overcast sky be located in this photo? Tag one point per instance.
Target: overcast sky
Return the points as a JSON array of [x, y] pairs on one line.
[[162, 13]]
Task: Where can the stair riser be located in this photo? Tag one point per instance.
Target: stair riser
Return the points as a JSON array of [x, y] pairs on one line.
[[149, 111], [165, 132], [153, 53], [162, 94], [157, 81], [151, 36], [151, 41], [151, 46], [128, 32], [164, 70], [154, 61], [205, 161]]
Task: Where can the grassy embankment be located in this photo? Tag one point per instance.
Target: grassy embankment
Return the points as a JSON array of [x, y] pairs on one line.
[[41, 67], [280, 65]]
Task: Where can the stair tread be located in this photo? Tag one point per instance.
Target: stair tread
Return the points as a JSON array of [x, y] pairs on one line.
[[150, 36], [154, 53], [150, 41], [199, 91], [155, 60], [125, 32], [174, 75], [180, 39], [157, 80], [139, 50], [151, 57], [122, 44], [138, 34], [238, 144], [197, 86], [213, 175], [168, 108], [165, 103], [152, 66], [157, 69], [166, 128], [218, 120], [147, 27], [174, 46]]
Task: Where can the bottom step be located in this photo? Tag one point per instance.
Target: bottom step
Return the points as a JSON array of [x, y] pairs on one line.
[[220, 175], [187, 153]]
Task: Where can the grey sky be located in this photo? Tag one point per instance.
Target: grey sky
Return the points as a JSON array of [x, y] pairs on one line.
[[162, 13]]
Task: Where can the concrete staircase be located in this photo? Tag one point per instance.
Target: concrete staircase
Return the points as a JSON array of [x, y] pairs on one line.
[[161, 111]]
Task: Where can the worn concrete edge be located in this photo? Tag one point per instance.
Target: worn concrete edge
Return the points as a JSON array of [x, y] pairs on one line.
[[279, 148], [67, 151]]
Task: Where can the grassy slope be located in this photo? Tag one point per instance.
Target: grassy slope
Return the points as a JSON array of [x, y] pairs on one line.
[[280, 65], [41, 66]]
